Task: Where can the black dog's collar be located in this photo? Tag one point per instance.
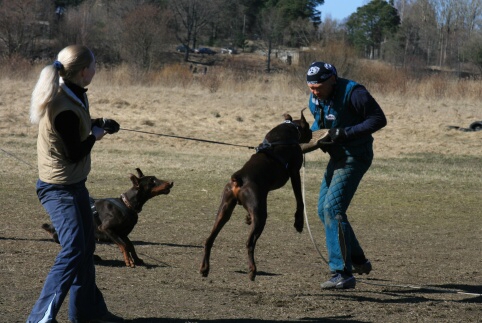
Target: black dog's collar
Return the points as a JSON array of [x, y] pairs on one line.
[[129, 204], [126, 201], [126, 211]]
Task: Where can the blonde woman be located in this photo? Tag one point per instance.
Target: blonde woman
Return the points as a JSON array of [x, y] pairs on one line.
[[66, 136]]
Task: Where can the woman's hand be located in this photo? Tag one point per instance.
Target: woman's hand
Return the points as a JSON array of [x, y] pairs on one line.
[[98, 132]]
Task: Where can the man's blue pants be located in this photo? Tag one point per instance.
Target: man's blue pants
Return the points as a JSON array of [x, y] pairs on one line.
[[69, 209], [338, 187]]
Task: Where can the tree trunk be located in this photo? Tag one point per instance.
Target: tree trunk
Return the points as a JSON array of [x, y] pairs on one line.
[[268, 59]]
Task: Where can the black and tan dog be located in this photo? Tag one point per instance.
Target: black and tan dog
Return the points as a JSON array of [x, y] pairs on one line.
[[277, 159], [114, 218]]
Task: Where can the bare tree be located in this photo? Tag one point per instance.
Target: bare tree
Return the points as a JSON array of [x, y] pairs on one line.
[[107, 29], [271, 28], [143, 35], [439, 32], [416, 35], [189, 18], [17, 26], [300, 32], [331, 30], [446, 12], [473, 13], [75, 26]]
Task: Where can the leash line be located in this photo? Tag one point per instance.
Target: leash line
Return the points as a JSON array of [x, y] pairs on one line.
[[365, 281], [306, 215], [188, 138], [439, 289], [17, 158]]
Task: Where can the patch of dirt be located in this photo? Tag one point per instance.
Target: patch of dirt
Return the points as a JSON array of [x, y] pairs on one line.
[[416, 275], [422, 235]]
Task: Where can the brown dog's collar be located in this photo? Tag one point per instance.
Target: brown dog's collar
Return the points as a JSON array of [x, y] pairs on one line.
[[296, 126]]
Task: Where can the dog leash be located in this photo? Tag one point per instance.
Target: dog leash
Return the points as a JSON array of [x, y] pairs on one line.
[[427, 288], [187, 138], [306, 215], [17, 158], [370, 281], [149, 133]]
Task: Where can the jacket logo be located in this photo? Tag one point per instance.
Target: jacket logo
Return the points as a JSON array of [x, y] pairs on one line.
[[330, 117]]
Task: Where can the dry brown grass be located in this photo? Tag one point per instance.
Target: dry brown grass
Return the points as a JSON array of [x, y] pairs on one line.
[[414, 211], [241, 107]]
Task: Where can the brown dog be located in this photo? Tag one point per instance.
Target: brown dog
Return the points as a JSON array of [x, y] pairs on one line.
[[115, 218], [277, 159]]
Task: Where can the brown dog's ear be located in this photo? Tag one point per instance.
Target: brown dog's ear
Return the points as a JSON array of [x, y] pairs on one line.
[[134, 180], [287, 117], [303, 116], [139, 172]]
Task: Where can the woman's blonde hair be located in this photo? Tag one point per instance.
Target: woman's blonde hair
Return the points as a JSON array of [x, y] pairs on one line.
[[70, 61]]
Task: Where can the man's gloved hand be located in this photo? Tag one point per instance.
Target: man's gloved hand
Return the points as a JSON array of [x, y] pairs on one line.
[[337, 134], [110, 126], [319, 139]]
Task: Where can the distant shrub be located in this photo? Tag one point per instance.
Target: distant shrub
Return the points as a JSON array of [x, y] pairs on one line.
[[246, 75], [17, 67], [211, 82], [174, 75]]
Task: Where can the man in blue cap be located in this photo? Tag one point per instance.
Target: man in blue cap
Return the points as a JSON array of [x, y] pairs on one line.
[[352, 115]]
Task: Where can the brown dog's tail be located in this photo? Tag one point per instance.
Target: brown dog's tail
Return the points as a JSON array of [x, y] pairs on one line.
[[51, 230], [236, 180]]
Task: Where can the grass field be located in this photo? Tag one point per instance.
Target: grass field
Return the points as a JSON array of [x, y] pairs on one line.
[[416, 213]]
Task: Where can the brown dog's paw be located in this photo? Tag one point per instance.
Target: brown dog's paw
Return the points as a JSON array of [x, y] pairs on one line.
[[139, 262], [299, 224], [299, 227], [204, 272]]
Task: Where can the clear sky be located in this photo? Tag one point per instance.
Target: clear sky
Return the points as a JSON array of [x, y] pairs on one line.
[[340, 9]]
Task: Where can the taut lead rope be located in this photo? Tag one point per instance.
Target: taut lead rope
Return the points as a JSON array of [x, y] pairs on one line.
[[187, 138]]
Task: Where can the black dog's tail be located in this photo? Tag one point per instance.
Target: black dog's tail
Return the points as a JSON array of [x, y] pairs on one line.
[[47, 227], [51, 230]]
